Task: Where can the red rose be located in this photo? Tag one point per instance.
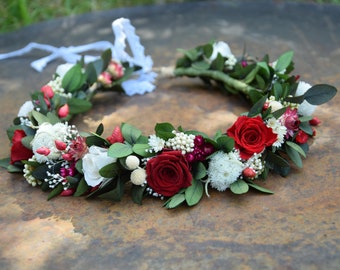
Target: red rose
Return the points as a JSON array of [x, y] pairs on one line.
[[301, 137], [168, 172], [18, 150], [251, 135]]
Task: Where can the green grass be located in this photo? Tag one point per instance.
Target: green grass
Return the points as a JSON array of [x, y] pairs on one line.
[[18, 13]]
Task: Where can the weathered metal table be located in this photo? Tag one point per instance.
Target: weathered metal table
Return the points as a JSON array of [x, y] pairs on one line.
[[297, 228]]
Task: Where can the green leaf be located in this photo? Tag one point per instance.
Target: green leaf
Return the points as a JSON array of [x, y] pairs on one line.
[[105, 186], [53, 118], [194, 193], [117, 193], [284, 61], [130, 133], [294, 155], [296, 147], [257, 107], [119, 150], [26, 141], [320, 93], [278, 91], [175, 201], [73, 79], [77, 105], [254, 96], [259, 188], [39, 117], [100, 129], [109, 171], [95, 140], [199, 171], [218, 63], [265, 68], [164, 130], [91, 73], [192, 54], [279, 112], [106, 57], [226, 143], [202, 65], [305, 126], [13, 169], [55, 192], [82, 188], [239, 187], [4, 162], [137, 193], [141, 149], [277, 163], [79, 166]]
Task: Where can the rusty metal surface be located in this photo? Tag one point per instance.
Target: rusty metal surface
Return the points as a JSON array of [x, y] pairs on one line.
[[297, 228]]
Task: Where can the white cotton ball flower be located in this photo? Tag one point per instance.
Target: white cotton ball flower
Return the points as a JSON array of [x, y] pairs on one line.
[[275, 105], [305, 108], [222, 48], [138, 176], [93, 161], [224, 169], [132, 162], [26, 108]]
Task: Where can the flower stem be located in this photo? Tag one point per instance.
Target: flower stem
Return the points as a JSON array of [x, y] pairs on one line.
[[216, 75]]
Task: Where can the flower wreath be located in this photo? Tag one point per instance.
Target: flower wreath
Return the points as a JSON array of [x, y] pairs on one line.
[[172, 163]]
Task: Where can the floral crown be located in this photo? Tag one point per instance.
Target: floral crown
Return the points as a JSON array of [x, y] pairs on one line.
[[174, 164]]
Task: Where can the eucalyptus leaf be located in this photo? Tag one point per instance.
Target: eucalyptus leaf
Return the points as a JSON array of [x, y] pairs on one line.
[[293, 155], [13, 169], [296, 147], [77, 106], [320, 93], [194, 193], [142, 150], [119, 150], [26, 141], [100, 129], [39, 117], [4, 162], [305, 126], [109, 171], [130, 133], [259, 188], [277, 163], [175, 201], [199, 171], [239, 187]]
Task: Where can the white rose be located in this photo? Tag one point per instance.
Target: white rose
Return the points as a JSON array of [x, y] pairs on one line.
[[222, 48], [46, 136], [63, 69], [25, 109], [93, 161], [304, 108]]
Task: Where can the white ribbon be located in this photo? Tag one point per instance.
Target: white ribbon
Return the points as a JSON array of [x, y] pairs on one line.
[[123, 31]]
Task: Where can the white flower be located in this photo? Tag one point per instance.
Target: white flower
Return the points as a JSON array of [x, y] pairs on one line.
[[93, 161], [156, 143], [230, 63], [46, 136], [304, 108], [224, 169], [222, 48], [63, 69], [274, 104], [138, 177], [278, 129], [25, 109]]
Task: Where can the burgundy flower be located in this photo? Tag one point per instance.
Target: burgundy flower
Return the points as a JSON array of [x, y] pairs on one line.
[[251, 135], [168, 172], [290, 120]]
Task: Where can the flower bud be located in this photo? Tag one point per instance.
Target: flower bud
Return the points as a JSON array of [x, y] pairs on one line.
[[116, 70], [105, 78], [61, 146], [116, 136], [132, 162], [63, 111], [138, 176], [47, 91], [249, 173], [301, 137], [43, 151], [68, 192], [315, 121], [67, 157]]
